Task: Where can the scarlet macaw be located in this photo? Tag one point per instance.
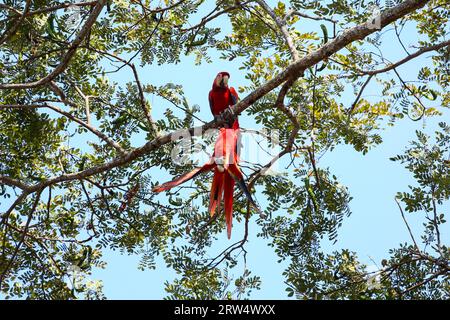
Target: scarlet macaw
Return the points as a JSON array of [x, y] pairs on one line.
[[224, 160], [221, 96]]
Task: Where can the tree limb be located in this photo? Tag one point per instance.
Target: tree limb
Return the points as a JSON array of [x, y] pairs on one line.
[[293, 71], [407, 58], [282, 26]]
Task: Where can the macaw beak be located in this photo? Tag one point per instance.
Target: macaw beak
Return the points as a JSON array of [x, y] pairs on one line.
[[224, 82]]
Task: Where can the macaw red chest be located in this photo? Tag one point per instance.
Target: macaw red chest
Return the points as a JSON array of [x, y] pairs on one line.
[[221, 99]]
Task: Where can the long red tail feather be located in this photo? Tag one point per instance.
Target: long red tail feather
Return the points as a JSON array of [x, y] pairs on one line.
[[228, 201], [183, 178], [216, 191]]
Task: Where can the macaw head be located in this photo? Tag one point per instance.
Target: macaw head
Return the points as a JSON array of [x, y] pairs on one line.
[[221, 80]]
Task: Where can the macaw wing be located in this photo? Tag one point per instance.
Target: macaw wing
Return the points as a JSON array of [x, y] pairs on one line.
[[183, 178], [211, 102], [234, 96], [236, 174]]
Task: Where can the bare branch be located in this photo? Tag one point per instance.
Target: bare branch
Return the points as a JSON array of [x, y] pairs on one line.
[[279, 104], [408, 58], [142, 100], [92, 129], [407, 226], [293, 12], [405, 85], [143, 104], [211, 16], [359, 95], [86, 104], [436, 226], [282, 26], [237, 245], [158, 9]]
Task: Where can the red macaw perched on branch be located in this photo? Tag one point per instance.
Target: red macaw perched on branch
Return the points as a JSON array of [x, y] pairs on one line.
[[224, 160], [221, 97]]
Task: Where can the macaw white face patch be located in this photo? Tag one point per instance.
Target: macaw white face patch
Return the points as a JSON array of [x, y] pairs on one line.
[[225, 81], [222, 80]]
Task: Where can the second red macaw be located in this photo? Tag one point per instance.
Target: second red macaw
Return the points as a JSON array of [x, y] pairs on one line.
[[225, 159]]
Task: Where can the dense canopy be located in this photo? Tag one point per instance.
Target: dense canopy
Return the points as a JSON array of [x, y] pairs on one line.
[[80, 153]]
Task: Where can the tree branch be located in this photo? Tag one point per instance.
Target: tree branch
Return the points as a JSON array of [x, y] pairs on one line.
[[282, 26], [24, 233], [304, 15], [293, 72], [68, 55], [68, 115], [407, 225], [406, 59], [359, 95], [14, 183], [9, 33]]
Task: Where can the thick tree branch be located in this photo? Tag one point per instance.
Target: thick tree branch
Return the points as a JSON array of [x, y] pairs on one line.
[[13, 183], [359, 32]]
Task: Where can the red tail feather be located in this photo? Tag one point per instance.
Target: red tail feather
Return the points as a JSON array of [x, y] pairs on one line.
[[216, 191], [228, 201], [185, 177]]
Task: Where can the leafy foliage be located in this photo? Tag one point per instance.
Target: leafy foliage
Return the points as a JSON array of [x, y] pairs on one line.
[[58, 216]]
